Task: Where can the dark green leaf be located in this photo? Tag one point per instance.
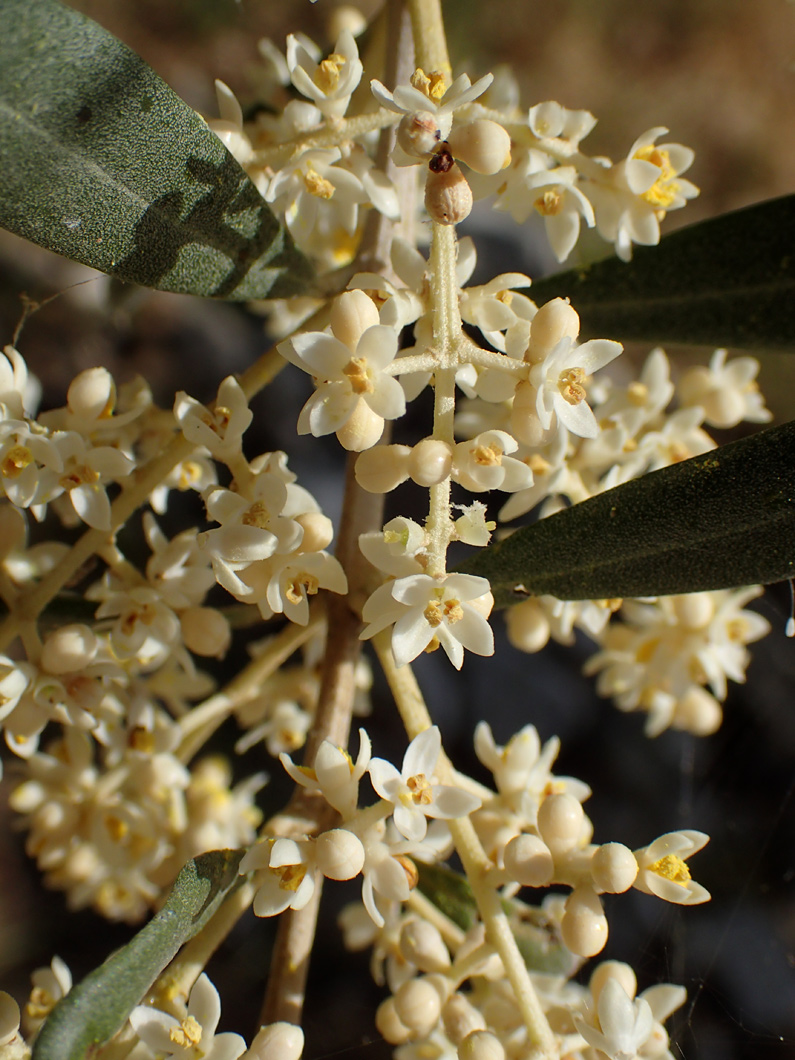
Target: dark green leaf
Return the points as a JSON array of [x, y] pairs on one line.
[[729, 281], [104, 163], [723, 519], [98, 1007]]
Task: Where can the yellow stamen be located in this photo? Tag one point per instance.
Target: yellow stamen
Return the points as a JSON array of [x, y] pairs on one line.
[[187, 1033], [671, 867], [570, 385], [357, 375], [328, 72], [550, 204], [16, 460], [665, 189], [317, 185]]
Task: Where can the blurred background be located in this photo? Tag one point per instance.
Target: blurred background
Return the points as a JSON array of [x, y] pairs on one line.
[[720, 74]]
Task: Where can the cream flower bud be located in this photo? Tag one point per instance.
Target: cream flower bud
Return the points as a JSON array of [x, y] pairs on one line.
[[389, 1025], [9, 1018], [560, 821], [613, 868], [383, 468], [584, 925], [527, 625], [617, 970], [430, 462], [461, 1018], [277, 1041], [346, 17], [318, 531], [483, 605], [552, 322], [422, 944], [92, 393], [340, 854], [69, 649], [418, 134], [351, 315], [448, 197], [483, 145], [418, 1006], [528, 861], [525, 425], [693, 610], [362, 430], [481, 1045], [697, 712], [205, 631]]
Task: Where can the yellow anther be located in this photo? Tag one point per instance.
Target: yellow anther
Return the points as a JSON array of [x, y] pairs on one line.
[[357, 375], [665, 189], [186, 1033], [421, 793], [570, 385], [16, 460], [317, 185], [487, 455], [550, 204], [671, 867], [328, 72]]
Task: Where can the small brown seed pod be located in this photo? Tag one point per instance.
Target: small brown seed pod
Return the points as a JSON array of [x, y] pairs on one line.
[[448, 197]]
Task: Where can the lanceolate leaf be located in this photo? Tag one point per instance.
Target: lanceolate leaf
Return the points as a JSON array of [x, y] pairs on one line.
[[104, 163], [729, 281], [98, 1007], [723, 519]]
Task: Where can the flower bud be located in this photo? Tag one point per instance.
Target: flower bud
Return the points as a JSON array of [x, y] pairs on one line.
[[527, 625], [613, 868], [481, 1045], [422, 944], [9, 1019], [92, 393], [697, 712], [693, 610], [318, 531], [525, 425], [461, 1018], [351, 315], [528, 861], [346, 17], [418, 1006], [362, 430], [560, 821], [418, 134], [68, 649], [617, 970], [483, 145], [552, 322], [383, 468], [389, 1025], [205, 631], [448, 197], [584, 925], [340, 854], [430, 462], [278, 1041]]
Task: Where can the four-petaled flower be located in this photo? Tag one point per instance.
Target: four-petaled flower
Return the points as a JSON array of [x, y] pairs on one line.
[[412, 791], [663, 870]]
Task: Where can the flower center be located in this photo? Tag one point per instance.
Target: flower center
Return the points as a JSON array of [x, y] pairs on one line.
[[431, 85], [487, 455], [79, 475], [355, 371], [439, 611], [16, 460], [186, 1033], [421, 793], [550, 204], [671, 867], [637, 393], [665, 189], [290, 876], [570, 385], [317, 185], [257, 515], [303, 584], [328, 72]]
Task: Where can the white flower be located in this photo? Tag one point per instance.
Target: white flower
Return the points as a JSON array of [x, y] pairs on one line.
[[19, 390], [220, 431], [430, 99], [560, 383], [283, 584], [622, 1025], [334, 774], [86, 470], [412, 791], [331, 82], [191, 1038], [637, 192], [229, 127], [482, 464], [49, 986], [550, 120], [289, 881], [728, 393], [395, 550], [663, 871], [426, 609], [561, 204]]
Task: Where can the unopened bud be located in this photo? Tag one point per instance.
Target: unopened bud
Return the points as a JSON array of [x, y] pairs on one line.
[[613, 868], [340, 854], [389, 1024], [528, 861], [418, 1006], [278, 1041], [697, 712], [68, 649], [362, 430], [552, 322], [584, 925], [622, 973], [205, 631], [92, 393], [352, 313], [481, 1045], [422, 944], [383, 468], [318, 531], [461, 1018], [527, 625], [483, 145], [560, 821], [430, 462]]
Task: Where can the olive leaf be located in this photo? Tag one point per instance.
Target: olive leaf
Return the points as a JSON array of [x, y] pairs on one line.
[[104, 163], [723, 519], [98, 1007], [729, 281]]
